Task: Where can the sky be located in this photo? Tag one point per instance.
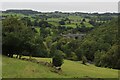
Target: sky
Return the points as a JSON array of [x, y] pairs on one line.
[[63, 6], [59, 0]]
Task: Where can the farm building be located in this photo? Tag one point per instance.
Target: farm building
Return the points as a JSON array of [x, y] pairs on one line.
[[75, 36]]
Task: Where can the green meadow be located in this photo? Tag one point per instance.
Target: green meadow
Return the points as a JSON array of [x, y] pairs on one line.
[[15, 68]]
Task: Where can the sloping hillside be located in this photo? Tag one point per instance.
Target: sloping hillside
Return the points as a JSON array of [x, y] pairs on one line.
[[15, 68], [101, 45]]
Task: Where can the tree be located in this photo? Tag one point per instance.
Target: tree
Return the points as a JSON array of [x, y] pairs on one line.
[[88, 48], [18, 38], [73, 56], [36, 22], [98, 56], [53, 49], [27, 21], [84, 20], [100, 46], [57, 60], [62, 22], [92, 22], [13, 29], [9, 46], [44, 32], [44, 24], [84, 60]]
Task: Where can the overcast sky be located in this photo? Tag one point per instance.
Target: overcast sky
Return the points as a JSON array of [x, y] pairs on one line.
[[63, 6], [59, 0]]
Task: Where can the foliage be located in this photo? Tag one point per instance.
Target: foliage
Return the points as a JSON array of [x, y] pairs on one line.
[[84, 60], [44, 24], [100, 45], [57, 60], [12, 37], [62, 22], [42, 34], [18, 38]]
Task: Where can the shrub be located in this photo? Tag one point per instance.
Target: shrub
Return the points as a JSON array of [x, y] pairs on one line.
[[57, 60], [84, 60], [61, 22]]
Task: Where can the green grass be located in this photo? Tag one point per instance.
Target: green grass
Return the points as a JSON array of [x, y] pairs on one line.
[[54, 23], [14, 68], [76, 69], [54, 19], [0, 66], [38, 30], [88, 24], [17, 14], [70, 25], [75, 17], [73, 25], [70, 69]]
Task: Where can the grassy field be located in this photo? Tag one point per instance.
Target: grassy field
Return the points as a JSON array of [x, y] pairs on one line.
[[15, 68], [76, 69], [55, 21], [0, 66]]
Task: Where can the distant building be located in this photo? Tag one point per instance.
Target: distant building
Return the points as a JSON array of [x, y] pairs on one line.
[[75, 36], [1, 18]]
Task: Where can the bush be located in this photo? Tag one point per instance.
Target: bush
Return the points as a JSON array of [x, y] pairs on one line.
[[84, 60], [61, 22], [57, 60]]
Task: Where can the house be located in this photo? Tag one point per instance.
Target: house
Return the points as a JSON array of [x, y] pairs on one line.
[[75, 36], [1, 18]]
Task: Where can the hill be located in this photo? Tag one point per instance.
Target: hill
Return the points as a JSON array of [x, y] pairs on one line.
[[21, 11], [15, 68], [101, 45]]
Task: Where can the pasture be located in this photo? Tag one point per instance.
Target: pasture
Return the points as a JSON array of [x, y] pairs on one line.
[[15, 68]]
